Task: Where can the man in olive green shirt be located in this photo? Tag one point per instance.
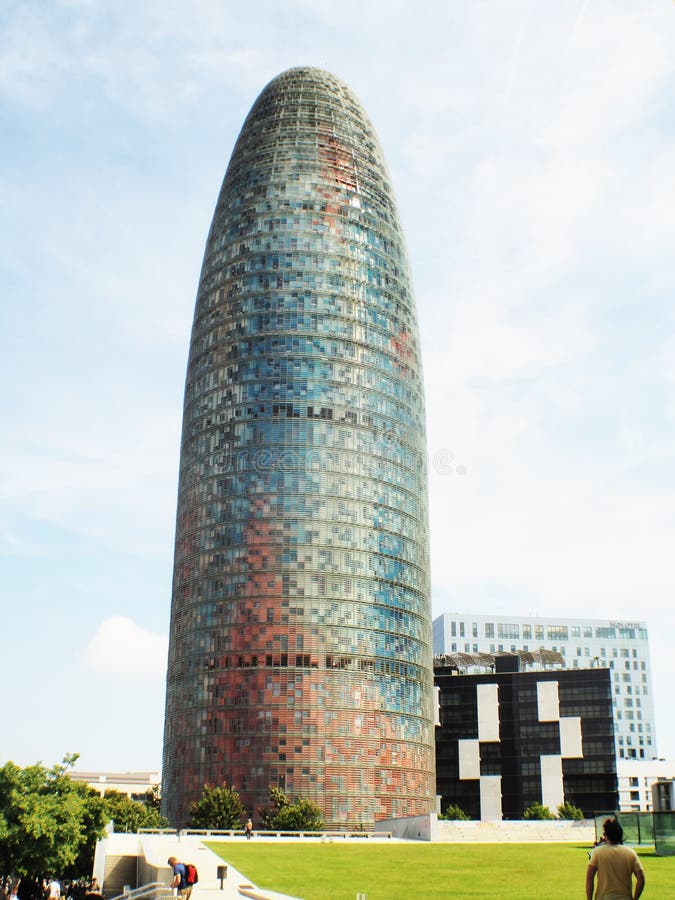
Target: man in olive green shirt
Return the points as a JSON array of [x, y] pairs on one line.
[[615, 866]]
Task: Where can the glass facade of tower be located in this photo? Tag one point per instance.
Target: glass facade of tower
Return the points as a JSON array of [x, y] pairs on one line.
[[300, 649]]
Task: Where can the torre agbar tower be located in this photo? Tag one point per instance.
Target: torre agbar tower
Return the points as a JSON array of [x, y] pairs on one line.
[[300, 646]]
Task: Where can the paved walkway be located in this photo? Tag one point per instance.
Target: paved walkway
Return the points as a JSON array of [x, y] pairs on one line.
[[192, 849]]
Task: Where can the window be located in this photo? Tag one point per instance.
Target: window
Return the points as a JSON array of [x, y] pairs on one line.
[[605, 632], [507, 631], [576, 631], [489, 630], [557, 633], [527, 632]]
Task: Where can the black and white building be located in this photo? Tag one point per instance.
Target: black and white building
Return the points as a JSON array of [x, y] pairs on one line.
[[508, 739]]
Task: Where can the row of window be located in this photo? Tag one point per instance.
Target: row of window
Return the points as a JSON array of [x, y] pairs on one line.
[[514, 631]]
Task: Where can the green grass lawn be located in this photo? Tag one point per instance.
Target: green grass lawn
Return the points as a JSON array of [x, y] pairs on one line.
[[411, 871]]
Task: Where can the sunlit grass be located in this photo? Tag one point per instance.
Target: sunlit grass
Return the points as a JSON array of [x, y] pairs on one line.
[[334, 871]]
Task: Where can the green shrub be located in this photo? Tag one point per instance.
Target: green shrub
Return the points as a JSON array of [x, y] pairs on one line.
[[454, 814], [218, 807], [537, 811], [291, 815], [569, 811]]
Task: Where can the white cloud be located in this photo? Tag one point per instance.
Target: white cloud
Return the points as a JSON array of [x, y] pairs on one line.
[[121, 647]]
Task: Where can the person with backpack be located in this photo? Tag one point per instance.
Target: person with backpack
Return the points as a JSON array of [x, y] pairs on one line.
[[184, 877]]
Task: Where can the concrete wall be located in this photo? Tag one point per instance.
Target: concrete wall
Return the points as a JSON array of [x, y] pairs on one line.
[[429, 828], [412, 828], [582, 832], [115, 862]]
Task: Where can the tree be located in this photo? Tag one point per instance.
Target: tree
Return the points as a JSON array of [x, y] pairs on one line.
[[130, 815], [153, 799], [291, 815], [537, 811], [48, 823], [218, 807], [454, 813], [569, 811]]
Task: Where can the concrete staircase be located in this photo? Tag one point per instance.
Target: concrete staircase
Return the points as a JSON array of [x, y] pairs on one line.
[[137, 860]]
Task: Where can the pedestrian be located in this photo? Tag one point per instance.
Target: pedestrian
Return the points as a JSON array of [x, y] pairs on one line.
[[248, 829], [614, 865], [53, 890], [180, 878]]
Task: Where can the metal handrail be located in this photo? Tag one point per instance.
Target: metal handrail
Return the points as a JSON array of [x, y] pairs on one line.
[[155, 889], [282, 832]]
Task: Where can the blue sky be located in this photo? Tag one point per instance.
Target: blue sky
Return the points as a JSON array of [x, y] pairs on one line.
[[531, 147]]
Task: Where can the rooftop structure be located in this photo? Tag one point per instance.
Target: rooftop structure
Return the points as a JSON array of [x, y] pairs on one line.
[[300, 641]]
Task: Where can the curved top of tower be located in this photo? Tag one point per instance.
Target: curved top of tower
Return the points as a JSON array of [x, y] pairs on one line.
[[307, 145], [312, 90]]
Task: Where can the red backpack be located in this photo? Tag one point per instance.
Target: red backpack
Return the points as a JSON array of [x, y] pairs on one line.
[[191, 874]]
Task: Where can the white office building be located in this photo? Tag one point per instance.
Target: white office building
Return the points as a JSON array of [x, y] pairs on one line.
[[621, 647], [136, 785], [636, 780]]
